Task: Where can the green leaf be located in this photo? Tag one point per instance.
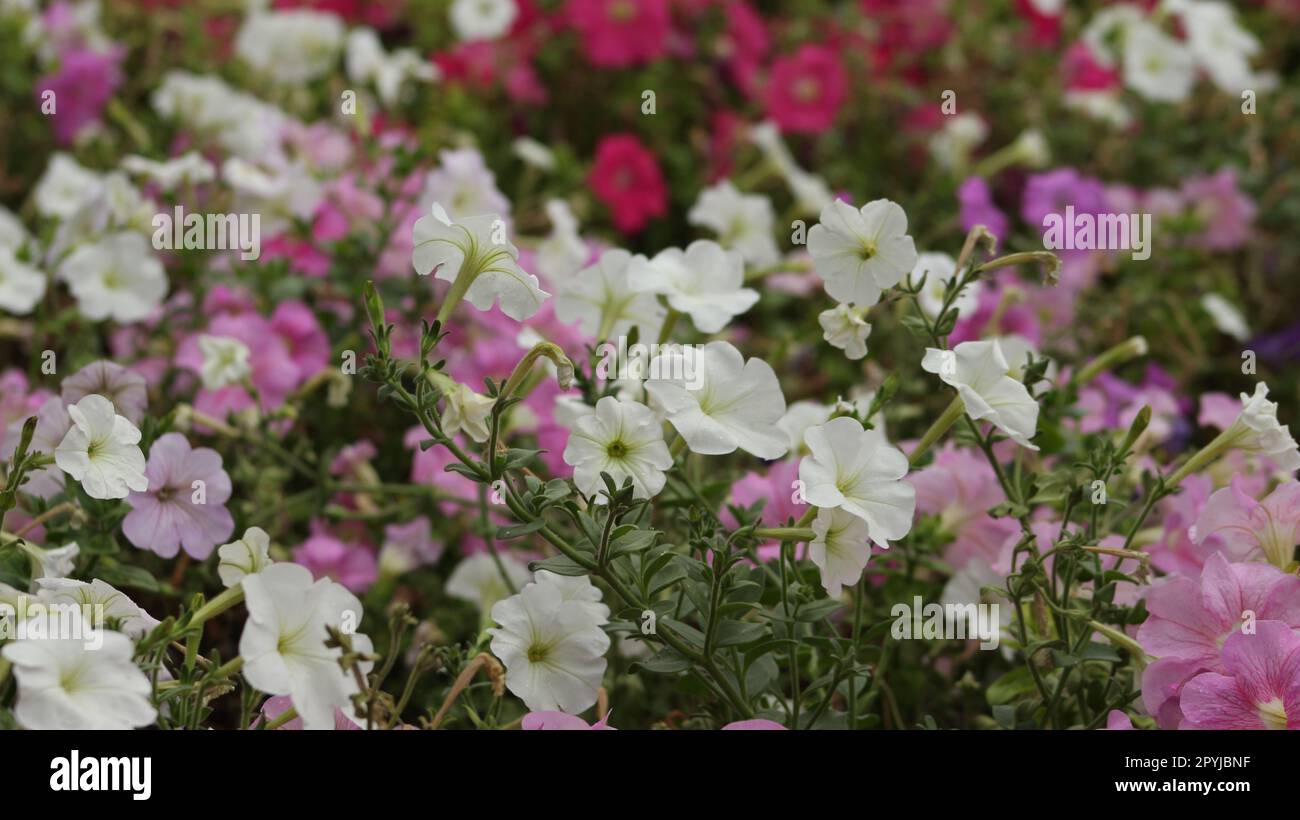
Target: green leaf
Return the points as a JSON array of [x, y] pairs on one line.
[[1013, 685], [560, 565], [517, 530], [736, 633]]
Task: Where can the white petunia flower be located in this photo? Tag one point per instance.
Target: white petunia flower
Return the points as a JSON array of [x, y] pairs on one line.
[[477, 579], [116, 278], [225, 361], [798, 419], [476, 246], [99, 601], [1108, 28], [624, 439], [840, 550], [464, 410], [80, 684], [940, 269], [603, 302], [247, 556], [980, 373], [860, 252], [1157, 66], [580, 589], [21, 286], [190, 168], [290, 47], [64, 186], [279, 192], [844, 327], [856, 470], [102, 450], [1017, 350], [482, 19], [368, 62], [704, 281], [1219, 44], [13, 234], [57, 562], [560, 255], [283, 643], [241, 123], [553, 650], [719, 402], [1257, 430], [811, 192], [1032, 149], [464, 186], [1226, 317], [743, 222], [952, 144]]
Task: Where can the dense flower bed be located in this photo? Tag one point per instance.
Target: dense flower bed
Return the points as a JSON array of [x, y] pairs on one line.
[[649, 363]]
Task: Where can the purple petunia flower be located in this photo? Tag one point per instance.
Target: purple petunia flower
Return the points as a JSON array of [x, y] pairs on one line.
[[977, 208], [177, 511]]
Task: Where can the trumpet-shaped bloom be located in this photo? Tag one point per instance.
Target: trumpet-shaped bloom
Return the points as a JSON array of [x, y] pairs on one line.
[[463, 409], [100, 601], [704, 281], [552, 648], [979, 371], [602, 301], [624, 439], [185, 505], [1259, 687], [856, 470], [247, 556], [861, 252], [743, 222], [477, 579], [1257, 430], [841, 548], [724, 404], [102, 450], [283, 643], [1248, 528], [77, 684], [476, 246], [843, 327]]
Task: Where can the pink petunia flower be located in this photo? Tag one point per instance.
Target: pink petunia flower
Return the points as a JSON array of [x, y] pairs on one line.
[[621, 33], [277, 705], [1190, 620], [1259, 687], [806, 90], [960, 487], [1250, 529], [753, 725], [626, 178], [553, 721], [177, 511], [352, 565], [978, 208], [1225, 212], [1176, 553], [777, 489], [1117, 721], [126, 389]]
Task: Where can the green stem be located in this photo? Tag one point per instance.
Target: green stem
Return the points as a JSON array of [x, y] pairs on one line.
[[1114, 357], [940, 426]]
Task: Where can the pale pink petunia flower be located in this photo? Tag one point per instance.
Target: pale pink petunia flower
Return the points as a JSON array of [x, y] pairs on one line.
[[753, 725], [960, 487], [1259, 687], [185, 505], [1250, 529], [535, 721], [352, 565], [126, 389]]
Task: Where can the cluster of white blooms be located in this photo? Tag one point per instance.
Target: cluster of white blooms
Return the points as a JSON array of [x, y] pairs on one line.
[[1162, 67], [240, 123], [368, 62], [291, 46]]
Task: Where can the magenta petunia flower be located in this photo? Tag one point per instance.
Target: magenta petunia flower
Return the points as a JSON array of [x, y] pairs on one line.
[[82, 86], [1051, 192], [177, 511], [626, 178], [1249, 529], [1191, 620], [806, 90], [1259, 687], [352, 565], [621, 33]]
